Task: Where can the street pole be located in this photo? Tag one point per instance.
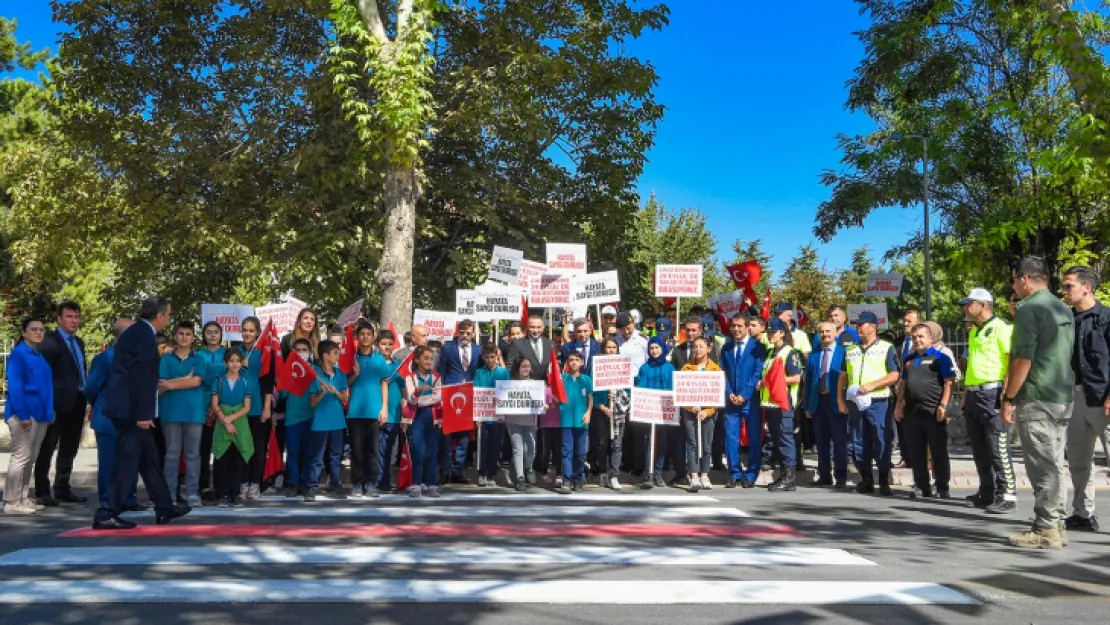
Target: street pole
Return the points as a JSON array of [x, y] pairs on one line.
[[928, 263]]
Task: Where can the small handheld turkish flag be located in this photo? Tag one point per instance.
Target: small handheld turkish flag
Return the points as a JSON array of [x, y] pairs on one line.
[[296, 376], [404, 475], [745, 276], [458, 408], [347, 351], [274, 463], [766, 312], [800, 315], [555, 379], [271, 349]]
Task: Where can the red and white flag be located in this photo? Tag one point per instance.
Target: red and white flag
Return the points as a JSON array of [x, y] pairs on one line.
[[800, 316], [404, 475], [296, 376], [766, 312], [271, 350], [745, 276], [458, 408], [555, 379], [347, 351]]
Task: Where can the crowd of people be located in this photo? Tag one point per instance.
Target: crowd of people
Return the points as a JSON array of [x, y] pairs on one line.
[[194, 414]]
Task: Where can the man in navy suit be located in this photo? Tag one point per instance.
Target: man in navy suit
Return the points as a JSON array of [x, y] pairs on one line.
[[99, 372], [130, 400], [457, 365], [64, 351], [830, 420], [584, 344], [742, 361]]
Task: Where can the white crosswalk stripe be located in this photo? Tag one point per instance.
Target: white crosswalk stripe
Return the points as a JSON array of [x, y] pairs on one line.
[[488, 565]]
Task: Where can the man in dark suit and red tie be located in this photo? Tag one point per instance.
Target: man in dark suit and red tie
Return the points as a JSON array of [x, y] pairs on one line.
[[130, 400]]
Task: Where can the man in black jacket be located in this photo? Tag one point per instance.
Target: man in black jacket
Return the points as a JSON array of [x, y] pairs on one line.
[[129, 401], [1090, 418], [64, 351]]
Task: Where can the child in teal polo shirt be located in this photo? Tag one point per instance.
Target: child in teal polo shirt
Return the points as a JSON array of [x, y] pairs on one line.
[[574, 419], [232, 444], [298, 431], [490, 432], [329, 393], [182, 409], [389, 419]]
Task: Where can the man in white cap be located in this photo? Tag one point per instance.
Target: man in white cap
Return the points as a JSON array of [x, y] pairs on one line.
[[608, 318], [988, 358]]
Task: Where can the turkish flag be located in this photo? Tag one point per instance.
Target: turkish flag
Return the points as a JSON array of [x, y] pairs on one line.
[[271, 349], [555, 379], [800, 316], [524, 312], [396, 337], [348, 350], [766, 312], [274, 464], [458, 408], [776, 384], [404, 474], [295, 376], [745, 276], [405, 368]]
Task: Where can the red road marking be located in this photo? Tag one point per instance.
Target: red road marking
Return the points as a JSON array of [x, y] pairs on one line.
[[460, 531]]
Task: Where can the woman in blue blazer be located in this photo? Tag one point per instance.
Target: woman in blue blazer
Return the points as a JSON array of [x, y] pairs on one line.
[[28, 411]]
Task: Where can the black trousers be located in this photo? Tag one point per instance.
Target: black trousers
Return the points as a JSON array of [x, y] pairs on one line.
[[136, 454], [925, 435], [63, 434], [229, 471], [364, 435], [260, 432], [549, 450], [598, 453], [206, 458], [990, 443]]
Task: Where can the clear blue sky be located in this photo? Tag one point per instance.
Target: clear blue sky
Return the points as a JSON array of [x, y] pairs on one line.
[[755, 96]]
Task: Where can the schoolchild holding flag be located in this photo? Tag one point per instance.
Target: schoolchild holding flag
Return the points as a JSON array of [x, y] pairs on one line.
[[298, 424], [329, 393], [392, 388], [423, 392]]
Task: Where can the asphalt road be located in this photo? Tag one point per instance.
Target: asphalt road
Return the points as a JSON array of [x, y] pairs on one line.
[[685, 559]]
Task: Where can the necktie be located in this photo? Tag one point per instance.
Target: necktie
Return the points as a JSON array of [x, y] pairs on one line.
[[466, 357], [76, 353], [825, 362], [823, 379]]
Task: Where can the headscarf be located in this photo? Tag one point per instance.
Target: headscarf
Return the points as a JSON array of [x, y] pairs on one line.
[[937, 332], [657, 362]]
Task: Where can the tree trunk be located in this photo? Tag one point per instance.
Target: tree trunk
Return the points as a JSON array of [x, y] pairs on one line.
[[395, 273], [1082, 64]]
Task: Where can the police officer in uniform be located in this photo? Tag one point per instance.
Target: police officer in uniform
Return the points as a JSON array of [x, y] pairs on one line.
[[988, 358], [871, 368]]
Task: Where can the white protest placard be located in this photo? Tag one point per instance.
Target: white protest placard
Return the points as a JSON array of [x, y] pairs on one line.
[[280, 315], [464, 303], [529, 271], [879, 309], [595, 288], [568, 259], [485, 404], [678, 280], [519, 397], [884, 284], [229, 316], [652, 406], [611, 373], [493, 304], [705, 389], [504, 264], [549, 290], [727, 304], [350, 314], [440, 323]]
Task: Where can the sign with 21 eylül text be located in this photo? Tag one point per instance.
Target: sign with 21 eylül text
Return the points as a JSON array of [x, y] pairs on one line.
[[703, 389]]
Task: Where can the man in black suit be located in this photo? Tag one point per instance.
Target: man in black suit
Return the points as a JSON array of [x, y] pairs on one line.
[[129, 401], [64, 351], [534, 347]]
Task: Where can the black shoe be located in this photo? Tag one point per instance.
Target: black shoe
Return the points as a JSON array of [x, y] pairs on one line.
[[521, 485], [1076, 522], [865, 488], [113, 523], [824, 481], [746, 483], [841, 484], [69, 496], [136, 508], [646, 484], [731, 483], [1001, 506], [944, 494], [310, 495], [679, 482], [176, 513], [885, 491], [979, 501], [47, 500], [291, 491], [785, 483], [916, 493], [658, 481]]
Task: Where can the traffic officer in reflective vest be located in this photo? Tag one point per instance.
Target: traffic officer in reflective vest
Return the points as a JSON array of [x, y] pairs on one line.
[[870, 369], [988, 358]]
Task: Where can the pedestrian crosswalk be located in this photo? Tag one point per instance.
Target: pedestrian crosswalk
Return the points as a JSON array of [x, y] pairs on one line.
[[468, 548]]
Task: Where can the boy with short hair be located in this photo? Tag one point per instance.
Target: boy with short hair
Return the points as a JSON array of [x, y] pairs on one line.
[[389, 417], [490, 432], [329, 393], [182, 409], [574, 419], [298, 431]]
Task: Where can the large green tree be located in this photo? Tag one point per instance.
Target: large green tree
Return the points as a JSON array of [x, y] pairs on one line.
[[986, 83]]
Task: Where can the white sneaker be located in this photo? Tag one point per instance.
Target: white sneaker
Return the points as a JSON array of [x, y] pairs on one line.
[[17, 507], [254, 492], [614, 483], [433, 491], [243, 489], [194, 501], [414, 491], [705, 483], [31, 503]]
